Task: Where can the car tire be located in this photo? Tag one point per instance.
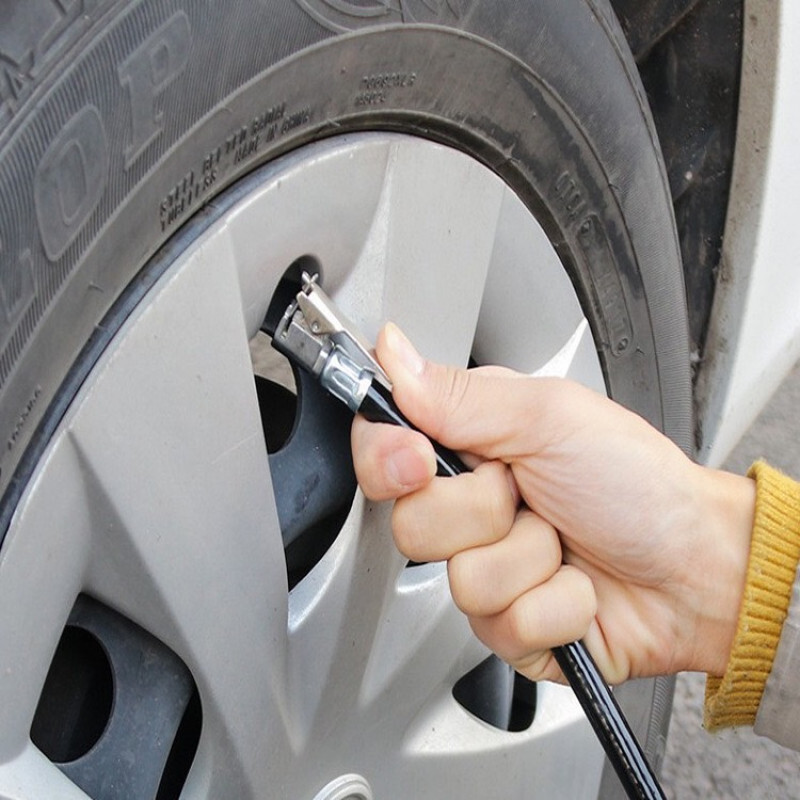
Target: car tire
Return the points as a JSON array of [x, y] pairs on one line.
[[121, 122]]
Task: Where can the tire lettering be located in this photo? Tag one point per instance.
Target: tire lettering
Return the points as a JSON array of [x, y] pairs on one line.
[[147, 72], [606, 285], [570, 195], [388, 80], [70, 180], [17, 290], [241, 145], [23, 417], [376, 89], [295, 120]]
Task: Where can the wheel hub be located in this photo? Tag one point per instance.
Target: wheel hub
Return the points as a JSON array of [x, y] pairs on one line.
[[346, 787], [155, 496]]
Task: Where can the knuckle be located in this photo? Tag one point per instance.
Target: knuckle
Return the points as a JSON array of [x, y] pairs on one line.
[[582, 590], [579, 601], [465, 584], [499, 508], [452, 390], [540, 666], [551, 556], [520, 624]]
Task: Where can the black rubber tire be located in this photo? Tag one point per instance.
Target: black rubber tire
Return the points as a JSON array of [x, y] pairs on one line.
[[120, 120]]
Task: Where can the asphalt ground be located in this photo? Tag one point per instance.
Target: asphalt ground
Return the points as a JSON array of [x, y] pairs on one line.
[[736, 763]]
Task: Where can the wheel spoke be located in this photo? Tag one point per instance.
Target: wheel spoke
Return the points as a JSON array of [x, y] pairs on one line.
[[183, 535], [189, 443], [557, 750], [334, 613], [42, 601], [303, 210], [425, 260], [544, 330], [364, 628], [420, 632], [31, 776]]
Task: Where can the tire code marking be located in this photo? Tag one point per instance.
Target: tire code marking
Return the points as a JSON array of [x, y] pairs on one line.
[[240, 145], [606, 285], [376, 89], [24, 414], [570, 195]]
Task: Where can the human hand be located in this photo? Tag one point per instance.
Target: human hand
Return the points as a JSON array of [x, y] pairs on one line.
[[580, 520]]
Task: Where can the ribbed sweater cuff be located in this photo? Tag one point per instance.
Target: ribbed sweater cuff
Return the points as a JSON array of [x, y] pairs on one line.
[[733, 699]]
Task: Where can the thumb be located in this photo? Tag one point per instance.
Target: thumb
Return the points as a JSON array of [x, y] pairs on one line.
[[455, 406]]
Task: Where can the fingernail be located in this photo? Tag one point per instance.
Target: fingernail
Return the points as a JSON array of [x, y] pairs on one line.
[[403, 350], [410, 467]]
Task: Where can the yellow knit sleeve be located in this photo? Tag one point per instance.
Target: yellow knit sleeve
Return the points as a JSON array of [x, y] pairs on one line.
[[733, 699]]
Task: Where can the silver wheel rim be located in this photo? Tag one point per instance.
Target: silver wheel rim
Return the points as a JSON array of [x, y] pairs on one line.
[[154, 496]]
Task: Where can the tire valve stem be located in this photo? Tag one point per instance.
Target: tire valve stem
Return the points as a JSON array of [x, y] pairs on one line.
[[315, 335]]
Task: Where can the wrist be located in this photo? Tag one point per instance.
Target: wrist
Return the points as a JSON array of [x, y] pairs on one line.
[[725, 506]]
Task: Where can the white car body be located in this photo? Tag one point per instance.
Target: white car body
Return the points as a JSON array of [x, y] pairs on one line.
[[754, 336]]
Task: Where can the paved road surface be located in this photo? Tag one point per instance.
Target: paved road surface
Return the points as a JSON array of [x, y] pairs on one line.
[[736, 764]]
